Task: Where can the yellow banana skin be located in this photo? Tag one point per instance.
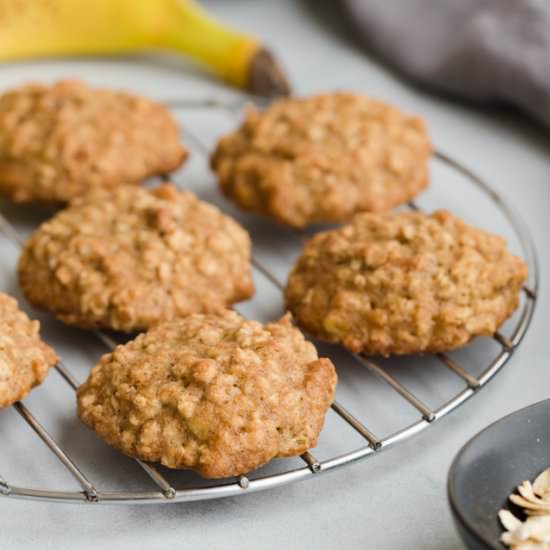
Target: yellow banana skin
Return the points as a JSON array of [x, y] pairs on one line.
[[40, 28]]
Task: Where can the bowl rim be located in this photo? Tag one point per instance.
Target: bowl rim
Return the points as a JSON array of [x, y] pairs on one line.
[[468, 526]]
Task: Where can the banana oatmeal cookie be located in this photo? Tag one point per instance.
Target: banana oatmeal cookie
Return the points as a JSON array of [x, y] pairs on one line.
[[214, 393], [24, 358], [132, 257], [323, 158], [57, 141], [404, 283]]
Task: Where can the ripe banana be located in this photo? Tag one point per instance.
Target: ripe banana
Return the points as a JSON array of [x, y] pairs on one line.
[[40, 28]]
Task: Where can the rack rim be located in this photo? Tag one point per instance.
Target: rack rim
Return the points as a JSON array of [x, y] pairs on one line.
[[167, 494]]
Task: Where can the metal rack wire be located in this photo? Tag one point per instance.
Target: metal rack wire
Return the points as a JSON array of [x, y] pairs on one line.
[[372, 444]]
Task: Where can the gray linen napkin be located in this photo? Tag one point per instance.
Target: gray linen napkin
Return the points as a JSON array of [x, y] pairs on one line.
[[479, 49]]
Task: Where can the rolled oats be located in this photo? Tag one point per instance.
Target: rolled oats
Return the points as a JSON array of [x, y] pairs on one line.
[[534, 532]]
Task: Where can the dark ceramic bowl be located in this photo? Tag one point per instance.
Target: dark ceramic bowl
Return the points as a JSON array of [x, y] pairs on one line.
[[491, 465]]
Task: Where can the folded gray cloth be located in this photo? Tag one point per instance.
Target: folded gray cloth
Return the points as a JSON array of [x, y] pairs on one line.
[[479, 49]]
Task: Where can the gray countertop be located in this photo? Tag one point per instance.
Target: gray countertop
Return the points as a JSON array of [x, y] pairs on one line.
[[395, 500]]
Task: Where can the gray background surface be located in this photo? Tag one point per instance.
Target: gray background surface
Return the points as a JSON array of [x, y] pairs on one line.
[[395, 500]]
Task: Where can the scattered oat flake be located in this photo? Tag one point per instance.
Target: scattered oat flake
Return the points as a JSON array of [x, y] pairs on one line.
[[508, 520], [541, 485], [534, 532]]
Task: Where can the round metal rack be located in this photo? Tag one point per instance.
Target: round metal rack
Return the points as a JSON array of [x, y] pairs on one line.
[[166, 492]]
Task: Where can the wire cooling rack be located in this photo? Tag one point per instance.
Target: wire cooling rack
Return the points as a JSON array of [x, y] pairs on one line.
[[470, 380]]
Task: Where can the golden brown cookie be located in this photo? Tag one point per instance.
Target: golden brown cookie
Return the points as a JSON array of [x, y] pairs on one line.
[[404, 283], [323, 158], [214, 393], [130, 258], [58, 141], [24, 358]]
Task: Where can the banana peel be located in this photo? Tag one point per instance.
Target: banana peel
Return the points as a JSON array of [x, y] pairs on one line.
[[43, 28]]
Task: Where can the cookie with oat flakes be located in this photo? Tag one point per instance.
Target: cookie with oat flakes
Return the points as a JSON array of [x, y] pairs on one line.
[[323, 158], [404, 283], [58, 141], [24, 358], [132, 257], [214, 393]]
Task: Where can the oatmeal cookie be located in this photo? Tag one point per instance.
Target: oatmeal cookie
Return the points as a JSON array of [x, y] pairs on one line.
[[210, 392], [404, 283], [323, 158], [132, 257], [61, 140], [24, 358]]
